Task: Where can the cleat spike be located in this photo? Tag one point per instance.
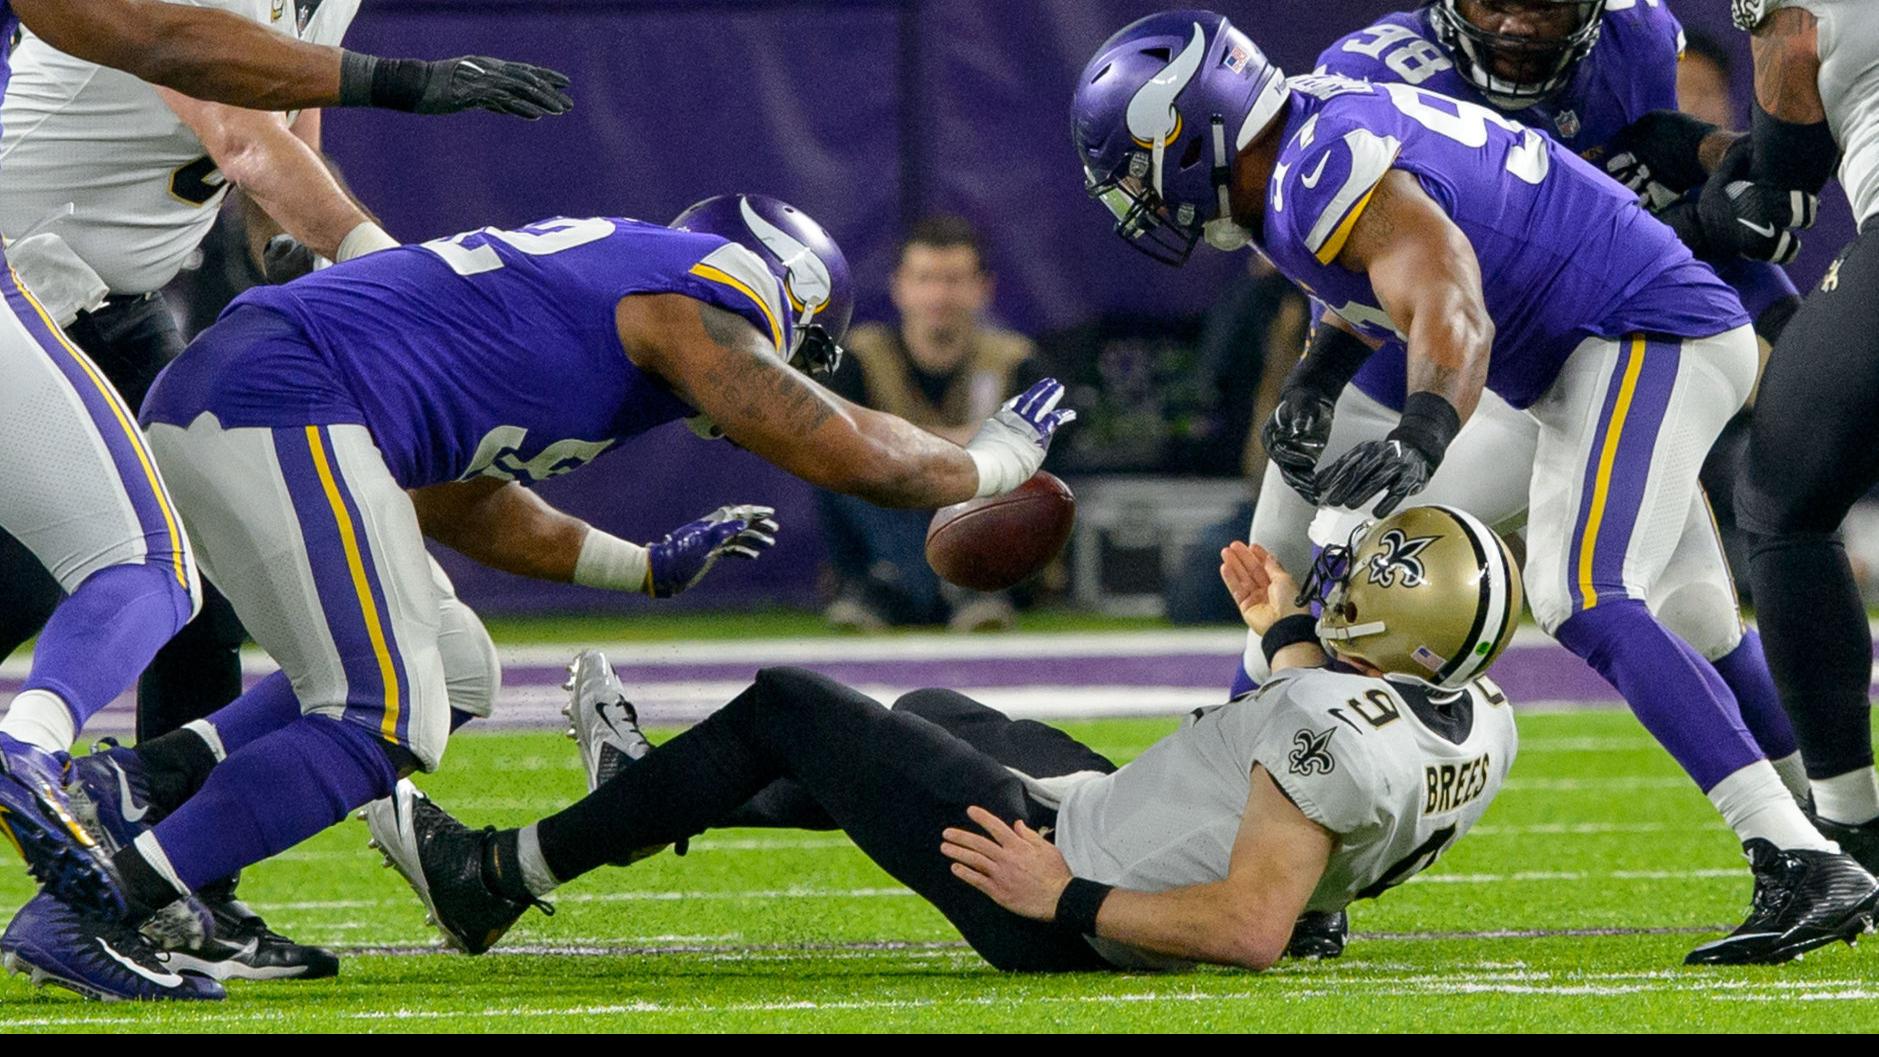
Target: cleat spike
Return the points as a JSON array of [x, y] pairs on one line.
[[372, 844]]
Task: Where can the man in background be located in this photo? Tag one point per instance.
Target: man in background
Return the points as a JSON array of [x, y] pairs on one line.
[[945, 369]]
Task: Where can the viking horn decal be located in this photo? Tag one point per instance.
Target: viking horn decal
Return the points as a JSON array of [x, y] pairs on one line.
[[1151, 116], [808, 282]]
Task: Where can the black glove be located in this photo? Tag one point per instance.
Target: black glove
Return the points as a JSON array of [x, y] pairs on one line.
[[1656, 156], [449, 85], [286, 259], [1757, 221], [1295, 436], [1399, 465]]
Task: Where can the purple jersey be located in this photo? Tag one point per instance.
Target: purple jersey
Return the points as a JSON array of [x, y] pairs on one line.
[[491, 353], [1630, 72], [1565, 252]]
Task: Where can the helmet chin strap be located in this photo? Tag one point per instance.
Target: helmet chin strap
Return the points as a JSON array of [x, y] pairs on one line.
[[1221, 232]]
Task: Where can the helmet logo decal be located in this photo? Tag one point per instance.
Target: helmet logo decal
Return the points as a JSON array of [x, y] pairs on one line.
[[1398, 555], [1152, 117], [1311, 753], [807, 284]]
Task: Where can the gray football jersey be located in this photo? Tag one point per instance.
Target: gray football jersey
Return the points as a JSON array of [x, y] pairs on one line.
[[1398, 788], [143, 188], [1849, 86]]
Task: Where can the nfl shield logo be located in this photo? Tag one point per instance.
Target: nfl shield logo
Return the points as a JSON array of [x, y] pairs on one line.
[[1568, 123], [1236, 59]]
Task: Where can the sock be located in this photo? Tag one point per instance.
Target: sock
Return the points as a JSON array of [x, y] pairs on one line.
[[177, 764], [1794, 775], [100, 638], [265, 708], [458, 718], [150, 881], [1672, 689], [270, 796], [41, 719], [1745, 669], [1755, 804], [1819, 647], [1850, 798]]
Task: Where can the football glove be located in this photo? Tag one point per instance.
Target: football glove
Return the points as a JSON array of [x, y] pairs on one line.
[[688, 552], [1295, 436], [1656, 157], [1391, 466], [1757, 221], [1011, 445], [445, 86]]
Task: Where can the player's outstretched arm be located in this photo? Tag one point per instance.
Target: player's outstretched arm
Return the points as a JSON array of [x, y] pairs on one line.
[[1266, 595], [718, 363], [225, 58], [1245, 920], [505, 526], [1426, 277]]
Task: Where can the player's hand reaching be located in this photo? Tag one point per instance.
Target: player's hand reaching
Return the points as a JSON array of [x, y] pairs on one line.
[[1260, 586], [688, 552], [1391, 466], [1656, 156], [1014, 865], [476, 81], [1011, 446], [1743, 218], [1295, 436]]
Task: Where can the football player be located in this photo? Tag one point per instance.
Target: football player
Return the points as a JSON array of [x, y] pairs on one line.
[[1586, 73], [78, 486], [1328, 784], [1811, 454], [319, 430], [126, 178], [1500, 260]]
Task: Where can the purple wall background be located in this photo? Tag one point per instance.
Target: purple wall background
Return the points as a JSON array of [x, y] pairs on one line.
[[863, 112]]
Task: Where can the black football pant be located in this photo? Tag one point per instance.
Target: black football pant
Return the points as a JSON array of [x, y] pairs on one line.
[[890, 779], [132, 339], [1813, 451]]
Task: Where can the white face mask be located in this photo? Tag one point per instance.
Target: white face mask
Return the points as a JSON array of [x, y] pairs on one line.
[[1224, 235]]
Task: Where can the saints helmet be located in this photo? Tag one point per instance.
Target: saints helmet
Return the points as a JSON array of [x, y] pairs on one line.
[[1429, 595]]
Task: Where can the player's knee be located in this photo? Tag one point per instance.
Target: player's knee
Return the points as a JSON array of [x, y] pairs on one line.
[[1550, 601], [936, 705], [472, 670], [1704, 615]]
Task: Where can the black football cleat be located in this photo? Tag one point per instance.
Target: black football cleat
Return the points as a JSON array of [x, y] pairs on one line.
[[1860, 841], [1803, 900], [442, 860], [240, 946], [1319, 935]]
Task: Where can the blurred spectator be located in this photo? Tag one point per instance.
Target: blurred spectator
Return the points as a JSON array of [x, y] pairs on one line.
[[945, 369], [1703, 81]]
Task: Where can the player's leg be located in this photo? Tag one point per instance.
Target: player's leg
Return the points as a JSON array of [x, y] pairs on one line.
[[890, 779], [1811, 456], [322, 555], [1695, 598]]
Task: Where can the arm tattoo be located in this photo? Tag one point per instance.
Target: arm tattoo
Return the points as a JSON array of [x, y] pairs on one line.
[[1787, 66], [749, 375]]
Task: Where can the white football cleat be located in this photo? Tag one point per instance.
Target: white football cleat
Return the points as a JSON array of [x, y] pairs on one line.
[[600, 718]]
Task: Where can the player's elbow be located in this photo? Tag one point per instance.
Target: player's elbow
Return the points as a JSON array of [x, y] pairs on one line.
[[1255, 941]]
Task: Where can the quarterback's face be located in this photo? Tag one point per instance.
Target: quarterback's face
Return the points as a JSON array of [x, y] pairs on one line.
[[940, 289]]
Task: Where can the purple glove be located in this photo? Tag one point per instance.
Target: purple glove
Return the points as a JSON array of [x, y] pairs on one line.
[[1011, 445], [689, 551]]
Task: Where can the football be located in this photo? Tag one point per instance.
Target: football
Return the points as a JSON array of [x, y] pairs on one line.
[[992, 543]]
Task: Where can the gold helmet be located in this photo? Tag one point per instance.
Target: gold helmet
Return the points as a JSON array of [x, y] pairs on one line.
[[1429, 594]]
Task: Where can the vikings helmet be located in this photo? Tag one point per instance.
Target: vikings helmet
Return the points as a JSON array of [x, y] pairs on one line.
[[1552, 61], [804, 259], [1158, 117], [1429, 595]]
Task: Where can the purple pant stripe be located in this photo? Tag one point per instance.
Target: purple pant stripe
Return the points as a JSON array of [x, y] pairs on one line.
[[114, 422], [1590, 482], [1631, 470]]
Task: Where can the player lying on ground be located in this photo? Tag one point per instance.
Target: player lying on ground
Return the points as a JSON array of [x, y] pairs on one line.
[[1499, 260], [1327, 785], [319, 430]]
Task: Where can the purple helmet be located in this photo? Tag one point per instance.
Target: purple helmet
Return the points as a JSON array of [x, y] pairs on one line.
[[804, 259], [1159, 115]]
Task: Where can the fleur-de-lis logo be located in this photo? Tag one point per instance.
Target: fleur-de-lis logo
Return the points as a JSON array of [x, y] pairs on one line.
[[1311, 752], [1832, 281], [1398, 554]]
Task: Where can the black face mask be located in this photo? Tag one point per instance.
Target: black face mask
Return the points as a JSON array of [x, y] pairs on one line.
[[818, 355], [1552, 62]]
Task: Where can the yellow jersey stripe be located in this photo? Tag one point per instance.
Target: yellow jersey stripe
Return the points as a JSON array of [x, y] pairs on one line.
[[355, 561], [706, 271], [1335, 244], [1607, 456], [130, 430]]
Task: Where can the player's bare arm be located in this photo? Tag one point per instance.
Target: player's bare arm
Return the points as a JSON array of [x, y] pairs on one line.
[[281, 172], [1786, 48], [224, 58], [1427, 278], [719, 364], [1266, 594], [1243, 920]]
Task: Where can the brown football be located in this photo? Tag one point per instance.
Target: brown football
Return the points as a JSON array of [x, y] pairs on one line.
[[992, 543]]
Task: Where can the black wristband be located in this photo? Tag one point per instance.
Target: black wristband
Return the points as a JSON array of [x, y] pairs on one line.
[[1332, 358], [355, 78], [1792, 157], [1428, 424], [390, 84], [1288, 631], [1078, 905]]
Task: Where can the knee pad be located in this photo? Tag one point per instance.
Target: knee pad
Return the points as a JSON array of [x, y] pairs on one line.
[[1704, 615], [472, 671]]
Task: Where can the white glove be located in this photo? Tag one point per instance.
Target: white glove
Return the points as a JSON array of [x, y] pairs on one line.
[[1011, 445], [62, 283]]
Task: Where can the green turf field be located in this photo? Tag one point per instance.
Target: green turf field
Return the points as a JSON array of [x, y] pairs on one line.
[[1568, 909]]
